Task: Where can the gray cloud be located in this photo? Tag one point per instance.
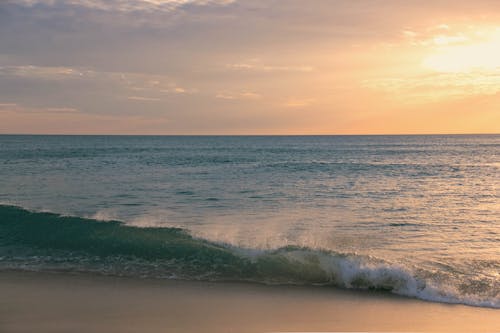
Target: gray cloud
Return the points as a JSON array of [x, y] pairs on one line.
[[121, 5]]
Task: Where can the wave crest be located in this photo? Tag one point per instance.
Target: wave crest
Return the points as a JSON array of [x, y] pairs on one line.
[[48, 241]]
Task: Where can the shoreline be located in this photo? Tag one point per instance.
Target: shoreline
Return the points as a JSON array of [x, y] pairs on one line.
[[62, 302]]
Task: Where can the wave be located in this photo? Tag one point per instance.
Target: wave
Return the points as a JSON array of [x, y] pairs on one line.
[[47, 241]]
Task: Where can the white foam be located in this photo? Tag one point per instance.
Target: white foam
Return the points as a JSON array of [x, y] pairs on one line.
[[105, 215], [347, 270]]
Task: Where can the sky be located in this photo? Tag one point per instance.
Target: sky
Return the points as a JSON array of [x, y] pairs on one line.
[[249, 67]]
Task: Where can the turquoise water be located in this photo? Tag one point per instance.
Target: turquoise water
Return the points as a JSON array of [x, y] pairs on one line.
[[415, 215]]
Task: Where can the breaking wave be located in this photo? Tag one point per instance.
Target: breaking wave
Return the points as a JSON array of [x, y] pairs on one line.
[[51, 242]]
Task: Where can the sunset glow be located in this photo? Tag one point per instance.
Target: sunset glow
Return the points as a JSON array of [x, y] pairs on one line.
[[460, 53], [249, 67]]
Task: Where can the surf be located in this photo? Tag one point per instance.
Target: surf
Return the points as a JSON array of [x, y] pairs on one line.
[[44, 241]]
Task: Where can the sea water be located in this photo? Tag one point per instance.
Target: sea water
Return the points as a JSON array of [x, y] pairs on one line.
[[415, 215]]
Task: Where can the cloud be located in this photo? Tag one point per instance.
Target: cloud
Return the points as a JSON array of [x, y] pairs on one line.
[[179, 90], [446, 40], [123, 5], [238, 95], [159, 84], [143, 99], [443, 34], [5, 106], [22, 119], [45, 73], [442, 26], [16, 108], [258, 66]]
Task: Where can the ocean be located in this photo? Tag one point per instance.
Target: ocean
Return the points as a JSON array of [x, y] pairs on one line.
[[417, 216]]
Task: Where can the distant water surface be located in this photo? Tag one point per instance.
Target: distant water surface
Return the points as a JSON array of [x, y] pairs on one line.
[[418, 215]]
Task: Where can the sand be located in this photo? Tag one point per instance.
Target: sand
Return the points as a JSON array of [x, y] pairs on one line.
[[43, 302]]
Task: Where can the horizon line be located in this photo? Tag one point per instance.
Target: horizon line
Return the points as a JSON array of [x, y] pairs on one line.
[[255, 135]]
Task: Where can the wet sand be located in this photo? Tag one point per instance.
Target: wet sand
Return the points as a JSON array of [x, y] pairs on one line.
[[42, 302]]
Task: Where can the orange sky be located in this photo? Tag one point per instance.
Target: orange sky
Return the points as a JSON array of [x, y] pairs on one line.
[[249, 67]]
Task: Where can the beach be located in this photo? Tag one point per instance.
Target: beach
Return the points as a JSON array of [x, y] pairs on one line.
[[47, 302]]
